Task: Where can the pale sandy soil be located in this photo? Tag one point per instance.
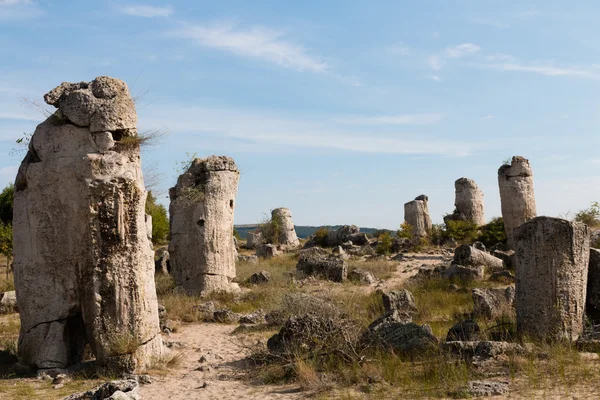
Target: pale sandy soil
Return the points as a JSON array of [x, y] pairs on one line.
[[226, 378]]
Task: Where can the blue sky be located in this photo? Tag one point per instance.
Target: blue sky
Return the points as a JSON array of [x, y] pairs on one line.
[[341, 111]]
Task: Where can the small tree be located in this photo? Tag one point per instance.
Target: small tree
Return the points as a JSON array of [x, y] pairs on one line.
[[7, 204], [590, 216], [271, 229], [461, 231], [160, 221], [493, 232], [320, 236], [6, 244], [384, 245], [405, 231]]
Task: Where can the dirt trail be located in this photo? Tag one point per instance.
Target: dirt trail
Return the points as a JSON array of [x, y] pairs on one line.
[[213, 341]]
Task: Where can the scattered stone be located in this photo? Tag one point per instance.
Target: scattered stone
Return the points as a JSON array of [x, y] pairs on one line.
[[485, 388], [83, 264], [362, 276], [252, 259], [345, 234], [399, 300], [287, 234], [467, 330], [592, 303], [516, 195], [463, 274], [485, 349], [507, 257], [479, 246], [492, 303], [8, 302], [260, 277], [416, 214], [316, 262], [253, 239], [502, 276], [257, 317], [114, 390], [405, 338], [206, 310], [267, 251], [552, 259], [470, 256], [225, 316], [398, 257], [203, 359]]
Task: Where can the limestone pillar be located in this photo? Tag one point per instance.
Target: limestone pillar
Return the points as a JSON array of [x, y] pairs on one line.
[[416, 214]]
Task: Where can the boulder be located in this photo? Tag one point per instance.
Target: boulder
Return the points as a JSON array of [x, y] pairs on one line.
[[267, 251], [467, 330], [507, 257], [114, 390], [492, 303], [248, 259], [399, 300], [463, 274], [485, 388], [404, 338], [8, 302], [253, 239], [317, 262], [470, 256], [260, 277], [552, 259], [362, 276], [162, 263]]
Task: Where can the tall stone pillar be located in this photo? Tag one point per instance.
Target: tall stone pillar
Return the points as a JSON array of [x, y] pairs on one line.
[[84, 268], [416, 214], [469, 201], [287, 232], [552, 257], [202, 207], [517, 198]]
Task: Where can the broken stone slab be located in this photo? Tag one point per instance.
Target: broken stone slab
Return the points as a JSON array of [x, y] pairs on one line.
[[593, 286], [470, 256], [248, 259], [492, 303], [317, 262], [485, 349], [399, 300], [484, 388], [467, 330], [552, 260], [260, 277], [362, 276], [503, 276], [267, 251], [517, 198], [201, 212], [405, 338], [463, 274], [253, 239], [114, 390], [507, 256]]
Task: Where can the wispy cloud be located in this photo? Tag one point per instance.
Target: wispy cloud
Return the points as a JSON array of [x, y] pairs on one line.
[[139, 10], [255, 42], [488, 117], [404, 119], [274, 130], [13, 2], [436, 78], [462, 50], [490, 22], [499, 57], [13, 10], [399, 50], [527, 13], [548, 69], [434, 63]]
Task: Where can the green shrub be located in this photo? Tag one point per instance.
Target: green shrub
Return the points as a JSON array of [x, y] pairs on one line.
[[160, 221], [590, 216], [6, 204], [493, 232], [236, 234], [270, 229], [320, 236], [461, 231], [405, 231], [384, 246], [6, 242]]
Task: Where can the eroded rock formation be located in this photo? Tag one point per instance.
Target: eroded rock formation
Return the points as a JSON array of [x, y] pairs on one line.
[[593, 287], [468, 202], [416, 214], [84, 268], [517, 198], [202, 206], [552, 257], [285, 225]]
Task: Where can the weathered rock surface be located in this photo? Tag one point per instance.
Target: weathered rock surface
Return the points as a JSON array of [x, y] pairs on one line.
[[468, 202], [463, 274], [592, 303], [114, 390], [507, 257], [267, 251], [552, 258], [317, 262], [202, 208], [485, 349], [361, 276], [84, 272], [517, 197], [248, 259], [470, 256], [467, 330], [287, 233], [416, 214], [8, 302], [486, 388], [492, 303], [345, 234], [260, 277], [162, 264], [399, 300], [253, 240], [405, 338]]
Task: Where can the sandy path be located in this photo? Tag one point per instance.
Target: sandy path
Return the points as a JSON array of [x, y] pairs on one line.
[[213, 341]]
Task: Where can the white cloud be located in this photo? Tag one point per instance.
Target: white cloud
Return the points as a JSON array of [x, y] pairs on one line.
[[462, 50], [138, 10], [399, 50], [275, 130], [436, 78], [13, 2], [546, 69], [490, 22], [499, 57], [256, 42], [488, 117], [527, 14], [15, 10], [405, 119], [434, 63]]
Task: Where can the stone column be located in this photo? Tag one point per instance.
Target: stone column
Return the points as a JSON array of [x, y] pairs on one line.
[[287, 233], [593, 287], [202, 207], [517, 199], [416, 214], [84, 268], [469, 201], [552, 257]]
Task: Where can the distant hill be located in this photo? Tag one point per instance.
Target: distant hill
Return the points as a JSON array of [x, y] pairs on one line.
[[302, 231]]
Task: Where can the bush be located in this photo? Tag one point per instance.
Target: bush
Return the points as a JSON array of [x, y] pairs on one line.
[[493, 232], [160, 221], [6, 242], [320, 236], [384, 246], [590, 216], [405, 231], [6, 204], [271, 229], [461, 231]]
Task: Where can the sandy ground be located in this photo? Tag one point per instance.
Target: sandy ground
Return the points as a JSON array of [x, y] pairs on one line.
[[224, 381]]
